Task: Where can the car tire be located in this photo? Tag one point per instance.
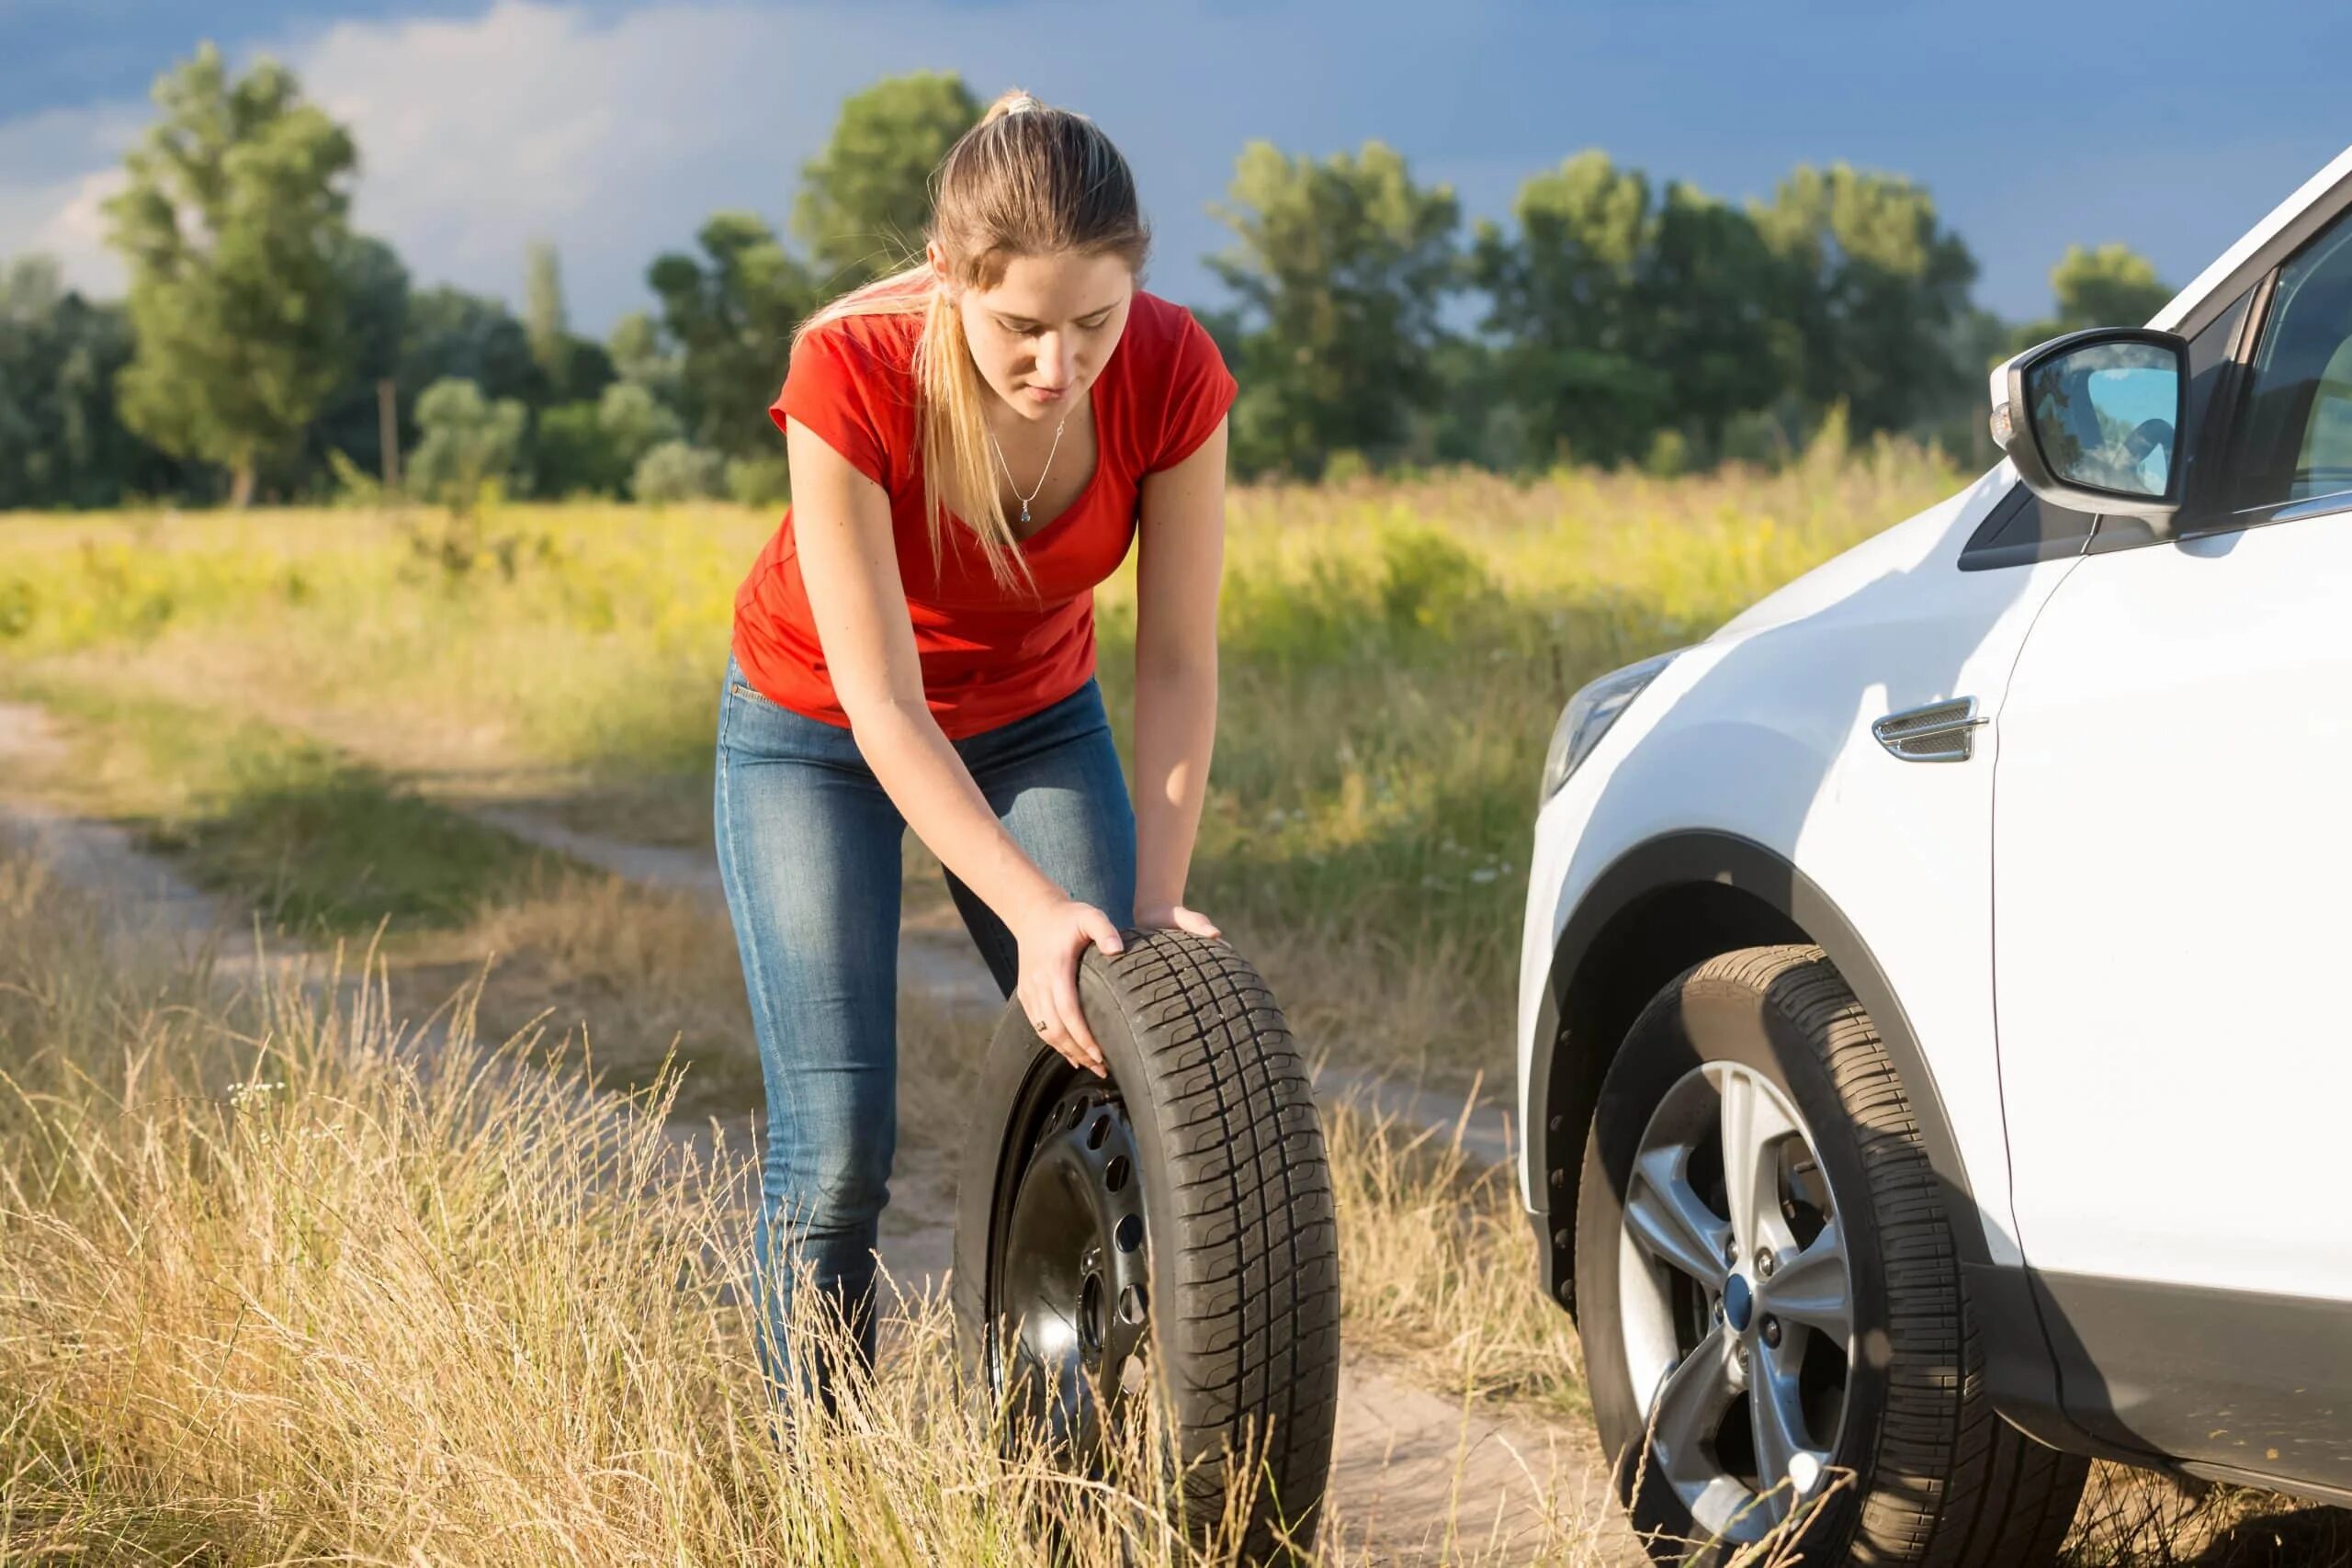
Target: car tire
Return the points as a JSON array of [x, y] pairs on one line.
[[1876, 1398], [1180, 1214]]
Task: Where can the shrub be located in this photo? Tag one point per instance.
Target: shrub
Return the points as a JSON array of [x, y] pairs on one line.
[[759, 482], [469, 442], [676, 470]]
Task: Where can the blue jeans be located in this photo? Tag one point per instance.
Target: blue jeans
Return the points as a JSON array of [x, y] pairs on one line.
[[809, 852]]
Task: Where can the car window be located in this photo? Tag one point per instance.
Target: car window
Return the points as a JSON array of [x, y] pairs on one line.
[[2297, 439]]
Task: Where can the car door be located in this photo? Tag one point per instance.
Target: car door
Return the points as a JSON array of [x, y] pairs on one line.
[[2172, 865]]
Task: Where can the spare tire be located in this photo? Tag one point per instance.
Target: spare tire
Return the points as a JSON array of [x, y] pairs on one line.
[[1169, 1228]]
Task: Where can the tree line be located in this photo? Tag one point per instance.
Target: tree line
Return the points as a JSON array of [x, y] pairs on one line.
[[265, 349]]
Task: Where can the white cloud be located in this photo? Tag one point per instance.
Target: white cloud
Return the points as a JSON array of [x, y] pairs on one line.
[[56, 167], [615, 130], [529, 121], [613, 138]]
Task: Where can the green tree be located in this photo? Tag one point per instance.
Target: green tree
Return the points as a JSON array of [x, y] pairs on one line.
[[62, 442], [544, 323], [375, 290], [2113, 285], [596, 445], [1340, 267], [231, 221], [571, 456], [576, 369], [731, 311], [1704, 304], [1563, 295], [866, 199], [633, 421], [453, 335], [469, 440], [639, 355], [1875, 286]]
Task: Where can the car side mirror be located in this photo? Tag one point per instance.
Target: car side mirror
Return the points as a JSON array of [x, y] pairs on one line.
[[2093, 420]]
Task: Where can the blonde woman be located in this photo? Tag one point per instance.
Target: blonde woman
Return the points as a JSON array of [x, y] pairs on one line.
[[975, 443]]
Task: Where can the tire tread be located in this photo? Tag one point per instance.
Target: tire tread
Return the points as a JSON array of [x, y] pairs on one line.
[[1951, 1485], [1257, 1347]]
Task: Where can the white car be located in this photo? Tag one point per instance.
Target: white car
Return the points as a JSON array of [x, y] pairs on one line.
[[1929, 1069]]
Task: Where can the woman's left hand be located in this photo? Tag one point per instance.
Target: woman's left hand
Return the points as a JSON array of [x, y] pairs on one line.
[[1161, 916]]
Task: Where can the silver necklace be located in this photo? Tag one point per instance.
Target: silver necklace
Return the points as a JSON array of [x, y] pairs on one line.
[[1048, 469]]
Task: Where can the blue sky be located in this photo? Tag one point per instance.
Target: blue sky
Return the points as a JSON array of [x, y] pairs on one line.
[[613, 128]]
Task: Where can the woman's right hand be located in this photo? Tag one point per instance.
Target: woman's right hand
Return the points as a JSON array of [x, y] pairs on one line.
[[1051, 941]]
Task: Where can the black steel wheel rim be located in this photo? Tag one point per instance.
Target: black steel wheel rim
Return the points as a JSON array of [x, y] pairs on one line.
[[1071, 1287]]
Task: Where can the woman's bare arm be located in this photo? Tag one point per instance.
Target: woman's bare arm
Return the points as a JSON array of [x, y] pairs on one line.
[[1180, 562], [850, 564]]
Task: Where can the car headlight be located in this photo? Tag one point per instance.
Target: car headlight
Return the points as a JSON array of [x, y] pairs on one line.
[[1587, 717]]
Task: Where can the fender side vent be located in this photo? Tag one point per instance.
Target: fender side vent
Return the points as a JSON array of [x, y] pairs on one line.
[[1940, 732]]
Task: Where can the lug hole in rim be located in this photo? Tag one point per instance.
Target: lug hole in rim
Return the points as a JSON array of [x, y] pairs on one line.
[[1090, 1317], [1131, 1306], [1114, 1176], [1129, 1234], [1100, 1131]]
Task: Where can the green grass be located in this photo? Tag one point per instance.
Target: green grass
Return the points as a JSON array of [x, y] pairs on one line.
[[1392, 657], [315, 842]]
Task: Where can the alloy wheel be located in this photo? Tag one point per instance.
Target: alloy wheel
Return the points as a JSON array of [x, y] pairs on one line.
[[1736, 1299]]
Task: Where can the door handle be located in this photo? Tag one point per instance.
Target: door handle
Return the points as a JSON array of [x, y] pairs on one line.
[[1940, 732]]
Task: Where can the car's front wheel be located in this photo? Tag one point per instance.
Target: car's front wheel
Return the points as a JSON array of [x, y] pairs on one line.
[[1773, 1320]]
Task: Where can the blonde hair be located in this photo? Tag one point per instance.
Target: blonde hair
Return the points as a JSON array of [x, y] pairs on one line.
[[1028, 180]]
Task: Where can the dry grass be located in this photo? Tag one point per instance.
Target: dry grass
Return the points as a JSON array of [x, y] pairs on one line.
[[1441, 1268], [281, 1281], [2131, 1519]]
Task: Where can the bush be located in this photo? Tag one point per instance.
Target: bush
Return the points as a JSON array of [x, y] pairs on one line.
[[469, 442], [574, 456], [759, 482], [354, 485], [634, 422], [678, 472]]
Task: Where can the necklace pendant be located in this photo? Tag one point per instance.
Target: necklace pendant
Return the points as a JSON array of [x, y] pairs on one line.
[[1025, 512]]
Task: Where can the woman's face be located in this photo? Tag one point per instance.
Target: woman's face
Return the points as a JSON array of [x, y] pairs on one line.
[[1043, 335]]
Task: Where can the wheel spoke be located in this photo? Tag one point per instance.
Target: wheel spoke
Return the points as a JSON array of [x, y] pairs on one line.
[[1671, 1222], [1777, 1420], [1688, 1410], [1752, 1125], [1810, 1288]]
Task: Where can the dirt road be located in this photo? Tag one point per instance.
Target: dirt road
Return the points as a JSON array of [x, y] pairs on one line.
[[1419, 1478]]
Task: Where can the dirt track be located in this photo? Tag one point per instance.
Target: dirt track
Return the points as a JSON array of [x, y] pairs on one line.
[[1423, 1477]]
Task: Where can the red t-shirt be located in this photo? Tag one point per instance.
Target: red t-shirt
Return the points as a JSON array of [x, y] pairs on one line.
[[990, 655]]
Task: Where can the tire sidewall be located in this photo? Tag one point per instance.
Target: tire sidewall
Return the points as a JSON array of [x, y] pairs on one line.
[[1701, 1018]]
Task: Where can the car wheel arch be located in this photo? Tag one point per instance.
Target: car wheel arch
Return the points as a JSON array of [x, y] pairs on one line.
[[1662, 906]]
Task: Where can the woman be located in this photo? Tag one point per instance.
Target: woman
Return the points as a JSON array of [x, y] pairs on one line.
[[974, 442]]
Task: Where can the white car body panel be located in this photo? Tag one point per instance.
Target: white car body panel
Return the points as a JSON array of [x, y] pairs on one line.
[[1902, 849], [2110, 932], [2172, 844]]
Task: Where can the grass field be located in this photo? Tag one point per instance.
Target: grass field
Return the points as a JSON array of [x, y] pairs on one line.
[[270, 693], [266, 1296]]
